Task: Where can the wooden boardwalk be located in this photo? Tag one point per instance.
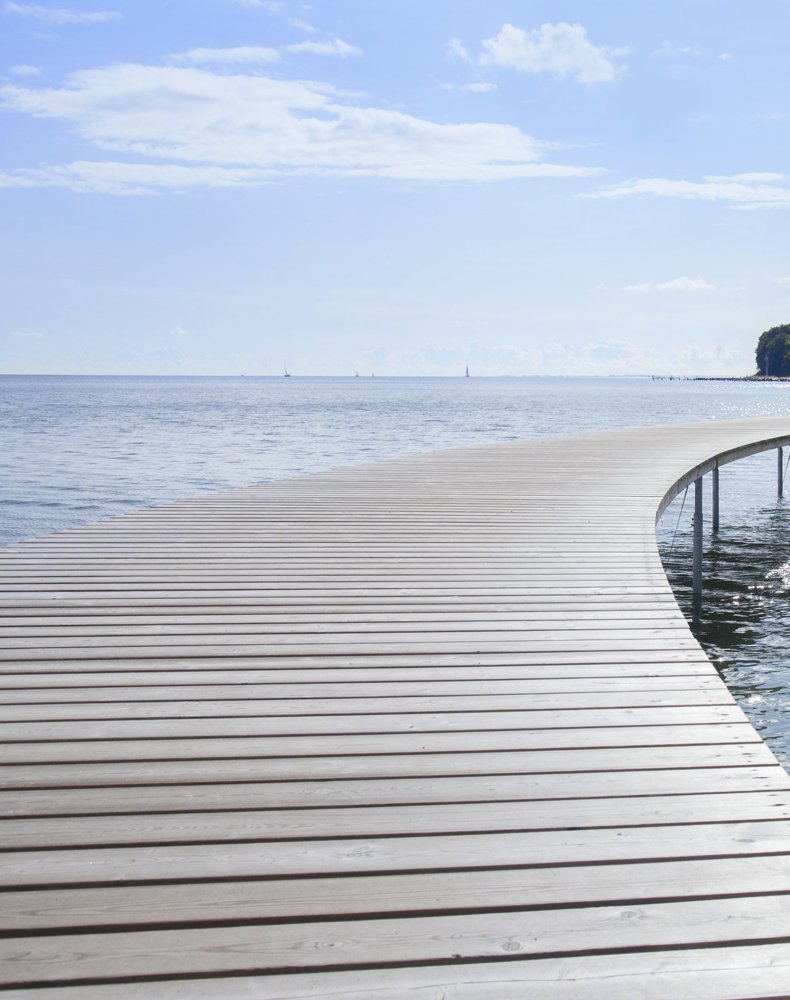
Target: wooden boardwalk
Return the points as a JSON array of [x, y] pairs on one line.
[[428, 728]]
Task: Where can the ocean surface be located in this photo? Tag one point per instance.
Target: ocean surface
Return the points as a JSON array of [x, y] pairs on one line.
[[77, 449]]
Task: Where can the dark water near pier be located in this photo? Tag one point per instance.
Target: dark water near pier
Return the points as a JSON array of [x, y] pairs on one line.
[[744, 619], [77, 449]]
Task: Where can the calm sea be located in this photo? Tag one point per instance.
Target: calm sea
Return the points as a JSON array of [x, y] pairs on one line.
[[77, 449]]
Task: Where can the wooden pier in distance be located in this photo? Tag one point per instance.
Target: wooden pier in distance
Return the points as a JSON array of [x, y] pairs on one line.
[[430, 728]]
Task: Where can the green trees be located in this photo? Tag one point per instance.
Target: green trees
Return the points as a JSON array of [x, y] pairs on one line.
[[773, 352]]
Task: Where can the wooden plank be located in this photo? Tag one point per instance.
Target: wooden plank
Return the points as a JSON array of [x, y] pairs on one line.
[[634, 884], [15, 609], [391, 791], [382, 658], [552, 853], [201, 747], [372, 704], [415, 722], [307, 646], [670, 631], [19, 684], [90, 693], [707, 973], [371, 943], [202, 771], [207, 651], [42, 626], [359, 823]]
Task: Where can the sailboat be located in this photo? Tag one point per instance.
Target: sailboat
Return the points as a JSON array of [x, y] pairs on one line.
[[286, 373], [467, 372]]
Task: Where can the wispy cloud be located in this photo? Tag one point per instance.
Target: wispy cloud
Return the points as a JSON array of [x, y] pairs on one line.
[[24, 70], [744, 191], [195, 128], [561, 50], [118, 178], [251, 55], [334, 47], [682, 284], [472, 88], [240, 56], [455, 47], [59, 15]]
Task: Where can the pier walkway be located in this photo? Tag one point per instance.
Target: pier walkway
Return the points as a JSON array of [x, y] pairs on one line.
[[431, 728]]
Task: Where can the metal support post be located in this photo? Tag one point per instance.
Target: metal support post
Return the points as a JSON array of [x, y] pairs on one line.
[[779, 473], [696, 572], [715, 485]]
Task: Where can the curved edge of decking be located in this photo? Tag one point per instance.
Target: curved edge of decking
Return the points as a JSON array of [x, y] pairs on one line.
[[715, 462]]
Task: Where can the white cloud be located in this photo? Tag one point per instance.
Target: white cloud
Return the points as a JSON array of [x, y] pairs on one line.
[[559, 49], [782, 281], [683, 284], [334, 47], [239, 56], [112, 177], [24, 70], [26, 335], [59, 15], [752, 178], [472, 88], [302, 26], [199, 128], [726, 56], [179, 331], [250, 55], [455, 48], [745, 191]]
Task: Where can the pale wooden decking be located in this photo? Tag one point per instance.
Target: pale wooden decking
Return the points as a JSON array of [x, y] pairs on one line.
[[430, 728]]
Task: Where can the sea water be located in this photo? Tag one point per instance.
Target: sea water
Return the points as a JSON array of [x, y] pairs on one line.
[[78, 449]]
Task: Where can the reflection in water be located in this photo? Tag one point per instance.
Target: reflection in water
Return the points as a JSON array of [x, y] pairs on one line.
[[744, 620]]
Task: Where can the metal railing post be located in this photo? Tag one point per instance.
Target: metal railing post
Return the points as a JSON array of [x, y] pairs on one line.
[[715, 486], [696, 572], [779, 473]]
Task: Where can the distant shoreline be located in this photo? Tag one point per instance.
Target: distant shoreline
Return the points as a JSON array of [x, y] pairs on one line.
[[721, 378]]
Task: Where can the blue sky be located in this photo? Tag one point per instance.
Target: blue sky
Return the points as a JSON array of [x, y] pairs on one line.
[[218, 186]]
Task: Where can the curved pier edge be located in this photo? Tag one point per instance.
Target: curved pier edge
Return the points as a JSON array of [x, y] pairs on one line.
[[716, 462]]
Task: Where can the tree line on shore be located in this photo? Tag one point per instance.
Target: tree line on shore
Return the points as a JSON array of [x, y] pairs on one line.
[[773, 352]]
